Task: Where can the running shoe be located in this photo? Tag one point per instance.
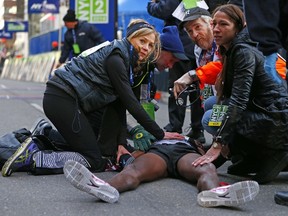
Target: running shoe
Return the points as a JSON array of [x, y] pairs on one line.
[[40, 126], [80, 177], [230, 195], [23, 157]]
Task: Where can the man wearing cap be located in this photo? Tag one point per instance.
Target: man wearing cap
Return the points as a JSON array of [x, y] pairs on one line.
[[197, 23], [163, 9], [80, 36]]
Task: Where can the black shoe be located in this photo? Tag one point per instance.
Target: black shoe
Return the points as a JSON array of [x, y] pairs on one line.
[[197, 135], [281, 198], [170, 128], [40, 127], [273, 164]]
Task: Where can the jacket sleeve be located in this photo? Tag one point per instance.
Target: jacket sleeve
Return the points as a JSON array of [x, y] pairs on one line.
[[96, 34], [118, 76], [162, 9], [208, 73], [65, 50], [242, 77]]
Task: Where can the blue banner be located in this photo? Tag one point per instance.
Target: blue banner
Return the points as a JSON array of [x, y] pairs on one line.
[[43, 6], [16, 26], [7, 35]]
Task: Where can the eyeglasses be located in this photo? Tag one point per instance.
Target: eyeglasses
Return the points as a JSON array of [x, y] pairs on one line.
[[182, 97]]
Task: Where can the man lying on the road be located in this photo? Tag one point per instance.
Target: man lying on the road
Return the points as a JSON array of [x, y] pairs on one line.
[[165, 158]]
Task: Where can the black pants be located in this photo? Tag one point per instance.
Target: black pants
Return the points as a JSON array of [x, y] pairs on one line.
[[177, 113], [110, 127], [73, 124]]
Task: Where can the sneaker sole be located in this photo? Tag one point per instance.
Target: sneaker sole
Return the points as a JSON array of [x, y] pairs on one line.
[[6, 169], [239, 193], [80, 177]]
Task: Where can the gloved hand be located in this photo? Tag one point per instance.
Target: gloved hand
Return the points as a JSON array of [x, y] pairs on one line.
[[141, 138]]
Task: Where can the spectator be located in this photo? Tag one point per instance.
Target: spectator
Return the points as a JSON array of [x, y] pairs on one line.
[[80, 36], [163, 9], [197, 23]]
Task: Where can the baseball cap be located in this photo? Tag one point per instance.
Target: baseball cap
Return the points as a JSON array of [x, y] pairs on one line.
[[170, 41], [193, 14]]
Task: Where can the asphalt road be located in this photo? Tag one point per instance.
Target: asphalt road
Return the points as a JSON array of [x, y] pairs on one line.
[[51, 195]]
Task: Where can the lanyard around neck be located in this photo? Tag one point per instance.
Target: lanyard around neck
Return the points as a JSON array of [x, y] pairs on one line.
[[74, 35]]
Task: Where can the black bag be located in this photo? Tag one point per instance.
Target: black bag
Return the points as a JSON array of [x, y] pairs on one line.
[[10, 142], [53, 146]]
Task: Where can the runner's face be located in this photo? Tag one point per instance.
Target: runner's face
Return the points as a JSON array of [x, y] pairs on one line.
[[144, 45], [166, 60]]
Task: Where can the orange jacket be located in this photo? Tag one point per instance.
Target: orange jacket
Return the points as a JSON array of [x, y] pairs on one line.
[[281, 66], [208, 73]]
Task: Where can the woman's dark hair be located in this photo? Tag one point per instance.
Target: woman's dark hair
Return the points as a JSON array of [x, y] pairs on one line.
[[237, 17]]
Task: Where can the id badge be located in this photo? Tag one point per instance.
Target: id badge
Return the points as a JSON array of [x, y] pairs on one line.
[[149, 108], [218, 113], [189, 3], [76, 48], [207, 92]]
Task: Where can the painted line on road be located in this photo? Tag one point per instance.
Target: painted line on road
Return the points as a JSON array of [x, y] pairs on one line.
[[38, 107], [20, 97], [23, 88]]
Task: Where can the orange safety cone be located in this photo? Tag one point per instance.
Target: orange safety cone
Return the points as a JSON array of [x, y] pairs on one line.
[[157, 95]]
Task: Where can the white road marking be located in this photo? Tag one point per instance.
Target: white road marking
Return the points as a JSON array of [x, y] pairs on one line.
[[38, 107]]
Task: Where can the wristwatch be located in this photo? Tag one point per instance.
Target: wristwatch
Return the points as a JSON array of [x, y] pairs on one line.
[[192, 74], [216, 145]]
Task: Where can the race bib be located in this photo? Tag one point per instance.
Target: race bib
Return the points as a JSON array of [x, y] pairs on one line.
[[218, 113]]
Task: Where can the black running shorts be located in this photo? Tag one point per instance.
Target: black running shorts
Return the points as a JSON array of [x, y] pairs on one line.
[[171, 153]]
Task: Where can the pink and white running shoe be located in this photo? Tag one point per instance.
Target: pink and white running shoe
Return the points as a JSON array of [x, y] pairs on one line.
[[80, 177], [230, 195]]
